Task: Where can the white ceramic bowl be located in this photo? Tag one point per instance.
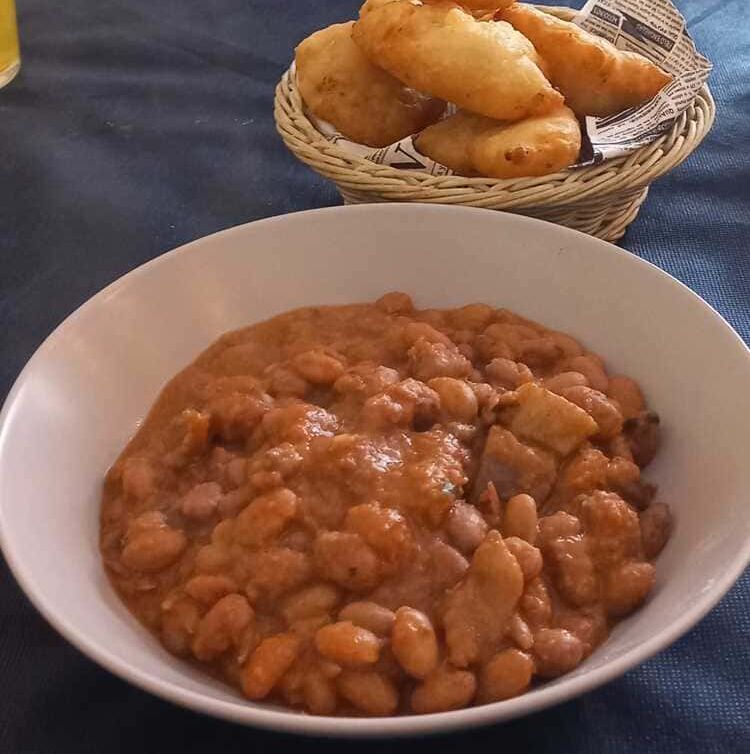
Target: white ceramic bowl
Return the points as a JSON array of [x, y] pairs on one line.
[[82, 394]]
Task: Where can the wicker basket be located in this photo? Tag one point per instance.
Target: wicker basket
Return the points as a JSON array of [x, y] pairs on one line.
[[601, 200]]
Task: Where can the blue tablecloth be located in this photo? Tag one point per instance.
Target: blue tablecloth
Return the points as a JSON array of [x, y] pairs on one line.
[[137, 126]]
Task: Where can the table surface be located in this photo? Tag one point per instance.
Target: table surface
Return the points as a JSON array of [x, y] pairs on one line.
[[136, 126]]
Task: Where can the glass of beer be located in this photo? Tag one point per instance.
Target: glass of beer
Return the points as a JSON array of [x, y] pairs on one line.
[[10, 56]]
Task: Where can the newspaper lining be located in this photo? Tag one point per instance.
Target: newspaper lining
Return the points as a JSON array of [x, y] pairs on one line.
[[653, 28]]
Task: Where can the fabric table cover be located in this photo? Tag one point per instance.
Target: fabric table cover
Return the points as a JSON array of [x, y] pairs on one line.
[[135, 127]]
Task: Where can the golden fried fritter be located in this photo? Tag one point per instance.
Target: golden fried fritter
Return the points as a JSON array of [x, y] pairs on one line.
[[470, 144], [449, 141], [595, 77], [485, 67], [366, 104]]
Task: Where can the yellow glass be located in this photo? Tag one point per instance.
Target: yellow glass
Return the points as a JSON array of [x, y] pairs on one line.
[[10, 55]]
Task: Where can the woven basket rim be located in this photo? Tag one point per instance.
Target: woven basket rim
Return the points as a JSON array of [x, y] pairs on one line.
[[637, 169]]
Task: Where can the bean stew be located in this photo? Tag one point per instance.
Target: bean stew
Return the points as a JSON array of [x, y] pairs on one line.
[[377, 510]]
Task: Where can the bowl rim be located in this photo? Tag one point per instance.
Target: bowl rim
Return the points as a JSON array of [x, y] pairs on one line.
[[289, 721]]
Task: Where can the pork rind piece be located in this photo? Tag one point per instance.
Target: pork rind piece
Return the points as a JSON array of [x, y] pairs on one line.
[[514, 468], [477, 611], [550, 420]]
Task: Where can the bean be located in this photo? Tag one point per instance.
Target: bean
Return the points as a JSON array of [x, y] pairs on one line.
[[535, 604], [413, 642], [656, 526], [582, 473], [297, 539], [569, 346], [370, 692], [383, 411], [556, 651], [278, 570], [467, 350], [621, 473], [590, 367], [298, 423], [284, 458], [602, 410], [345, 559], [179, 621], [520, 519], [347, 644], [612, 530], [315, 600], [619, 447], [284, 382], [223, 533], [319, 693], [421, 402], [264, 481], [506, 675], [200, 503], [457, 400], [329, 669], [290, 687], [139, 478], [318, 367], [627, 586], [538, 352], [267, 664], [306, 628], [485, 394], [147, 521], [236, 471], [508, 374], [572, 569], [221, 627], [366, 379], [520, 633], [212, 558], [369, 615], [473, 317], [488, 348], [513, 333], [465, 526], [395, 302], [589, 626], [235, 416], [384, 529], [643, 435], [269, 624], [209, 588], [234, 501], [448, 565], [624, 477], [465, 433], [154, 549], [428, 360], [415, 331], [529, 557], [445, 689], [562, 381], [559, 524], [627, 394], [265, 518]]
